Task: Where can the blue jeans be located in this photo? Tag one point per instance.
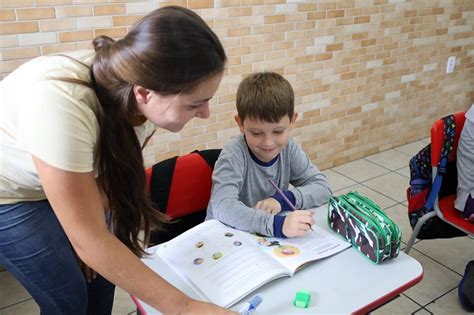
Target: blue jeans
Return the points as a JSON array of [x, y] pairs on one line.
[[37, 252]]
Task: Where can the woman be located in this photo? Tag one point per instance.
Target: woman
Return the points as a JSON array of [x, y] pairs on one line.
[[71, 171]]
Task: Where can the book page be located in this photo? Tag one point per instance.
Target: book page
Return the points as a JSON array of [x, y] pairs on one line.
[[295, 252], [220, 263]]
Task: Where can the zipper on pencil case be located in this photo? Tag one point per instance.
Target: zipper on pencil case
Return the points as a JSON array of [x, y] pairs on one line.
[[367, 225], [374, 207], [395, 228], [379, 219], [365, 217], [396, 234], [382, 229], [336, 205], [361, 217], [370, 205]]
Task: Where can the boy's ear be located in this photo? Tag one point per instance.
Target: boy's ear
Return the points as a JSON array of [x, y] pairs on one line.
[[293, 120], [239, 122], [142, 94]]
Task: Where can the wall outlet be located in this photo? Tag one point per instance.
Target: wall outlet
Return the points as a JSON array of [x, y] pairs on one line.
[[451, 64]]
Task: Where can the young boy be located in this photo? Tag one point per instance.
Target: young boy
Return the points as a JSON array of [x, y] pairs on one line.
[[242, 196]]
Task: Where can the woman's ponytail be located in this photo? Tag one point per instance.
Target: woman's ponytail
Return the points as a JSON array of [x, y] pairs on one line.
[[101, 42]]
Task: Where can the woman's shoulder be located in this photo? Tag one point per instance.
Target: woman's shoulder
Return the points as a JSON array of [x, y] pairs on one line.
[[85, 56], [68, 72], [74, 65], [56, 84]]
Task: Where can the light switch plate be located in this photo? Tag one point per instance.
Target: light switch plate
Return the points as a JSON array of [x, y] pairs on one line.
[[451, 64]]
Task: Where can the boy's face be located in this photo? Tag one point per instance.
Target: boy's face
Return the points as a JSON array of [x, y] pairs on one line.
[[266, 140]]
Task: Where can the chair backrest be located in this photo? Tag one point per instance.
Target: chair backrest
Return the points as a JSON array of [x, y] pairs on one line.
[[181, 187], [437, 137]]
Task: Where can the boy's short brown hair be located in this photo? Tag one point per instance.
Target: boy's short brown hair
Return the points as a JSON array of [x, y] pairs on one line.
[[265, 96]]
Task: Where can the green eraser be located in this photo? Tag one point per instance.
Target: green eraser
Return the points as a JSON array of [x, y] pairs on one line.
[[302, 299]]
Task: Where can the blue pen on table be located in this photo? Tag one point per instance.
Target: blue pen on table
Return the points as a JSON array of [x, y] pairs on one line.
[[285, 198], [250, 306]]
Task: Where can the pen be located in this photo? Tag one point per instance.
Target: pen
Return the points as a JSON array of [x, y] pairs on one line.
[[250, 306], [285, 198]]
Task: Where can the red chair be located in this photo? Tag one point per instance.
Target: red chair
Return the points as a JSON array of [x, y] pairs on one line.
[[181, 188], [444, 202]]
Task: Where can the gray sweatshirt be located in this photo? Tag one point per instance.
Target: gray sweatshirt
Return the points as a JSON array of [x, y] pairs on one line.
[[238, 183], [465, 162]]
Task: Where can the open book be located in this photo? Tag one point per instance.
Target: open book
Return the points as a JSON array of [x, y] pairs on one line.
[[223, 265]]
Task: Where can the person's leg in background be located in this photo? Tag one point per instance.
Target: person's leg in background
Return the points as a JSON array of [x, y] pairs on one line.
[[468, 212], [466, 288], [36, 251]]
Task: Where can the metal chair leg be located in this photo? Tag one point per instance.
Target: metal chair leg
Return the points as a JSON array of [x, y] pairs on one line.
[[417, 229]]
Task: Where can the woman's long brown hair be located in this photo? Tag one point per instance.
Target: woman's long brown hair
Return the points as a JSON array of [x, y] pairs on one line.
[[169, 51]]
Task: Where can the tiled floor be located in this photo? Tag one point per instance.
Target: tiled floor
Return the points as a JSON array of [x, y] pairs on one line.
[[383, 177]]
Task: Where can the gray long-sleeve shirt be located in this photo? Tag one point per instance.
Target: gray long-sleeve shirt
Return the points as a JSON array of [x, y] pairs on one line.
[[465, 161], [238, 183]]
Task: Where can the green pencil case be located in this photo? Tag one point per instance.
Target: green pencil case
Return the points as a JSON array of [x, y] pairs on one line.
[[365, 225]]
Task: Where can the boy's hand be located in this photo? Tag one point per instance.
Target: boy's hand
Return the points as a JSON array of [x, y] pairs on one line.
[[297, 223], [270, 205]]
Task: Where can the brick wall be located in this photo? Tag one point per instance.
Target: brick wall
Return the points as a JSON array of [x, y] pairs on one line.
[[368, 75]]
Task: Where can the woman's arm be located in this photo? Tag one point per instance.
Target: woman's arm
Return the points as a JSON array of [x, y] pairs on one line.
[[77, 203]]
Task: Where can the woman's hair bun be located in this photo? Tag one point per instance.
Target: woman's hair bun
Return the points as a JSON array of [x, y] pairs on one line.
[[101, 42]]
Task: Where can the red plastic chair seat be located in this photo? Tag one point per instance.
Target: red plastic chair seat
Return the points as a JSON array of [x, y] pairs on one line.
[[454, 216]]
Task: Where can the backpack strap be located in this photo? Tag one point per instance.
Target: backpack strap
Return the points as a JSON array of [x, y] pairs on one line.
[[448, 145]]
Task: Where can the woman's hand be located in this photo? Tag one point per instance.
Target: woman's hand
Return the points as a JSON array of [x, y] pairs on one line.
[[297, 223], [269, 205]]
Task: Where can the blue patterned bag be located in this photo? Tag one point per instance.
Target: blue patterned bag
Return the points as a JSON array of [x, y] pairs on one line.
[[423, 191]]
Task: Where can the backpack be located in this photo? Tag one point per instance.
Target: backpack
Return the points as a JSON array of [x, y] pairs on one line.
[[423, 190]]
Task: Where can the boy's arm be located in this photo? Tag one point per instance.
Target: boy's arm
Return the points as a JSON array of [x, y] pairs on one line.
[[227, 181], [311, 188]]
